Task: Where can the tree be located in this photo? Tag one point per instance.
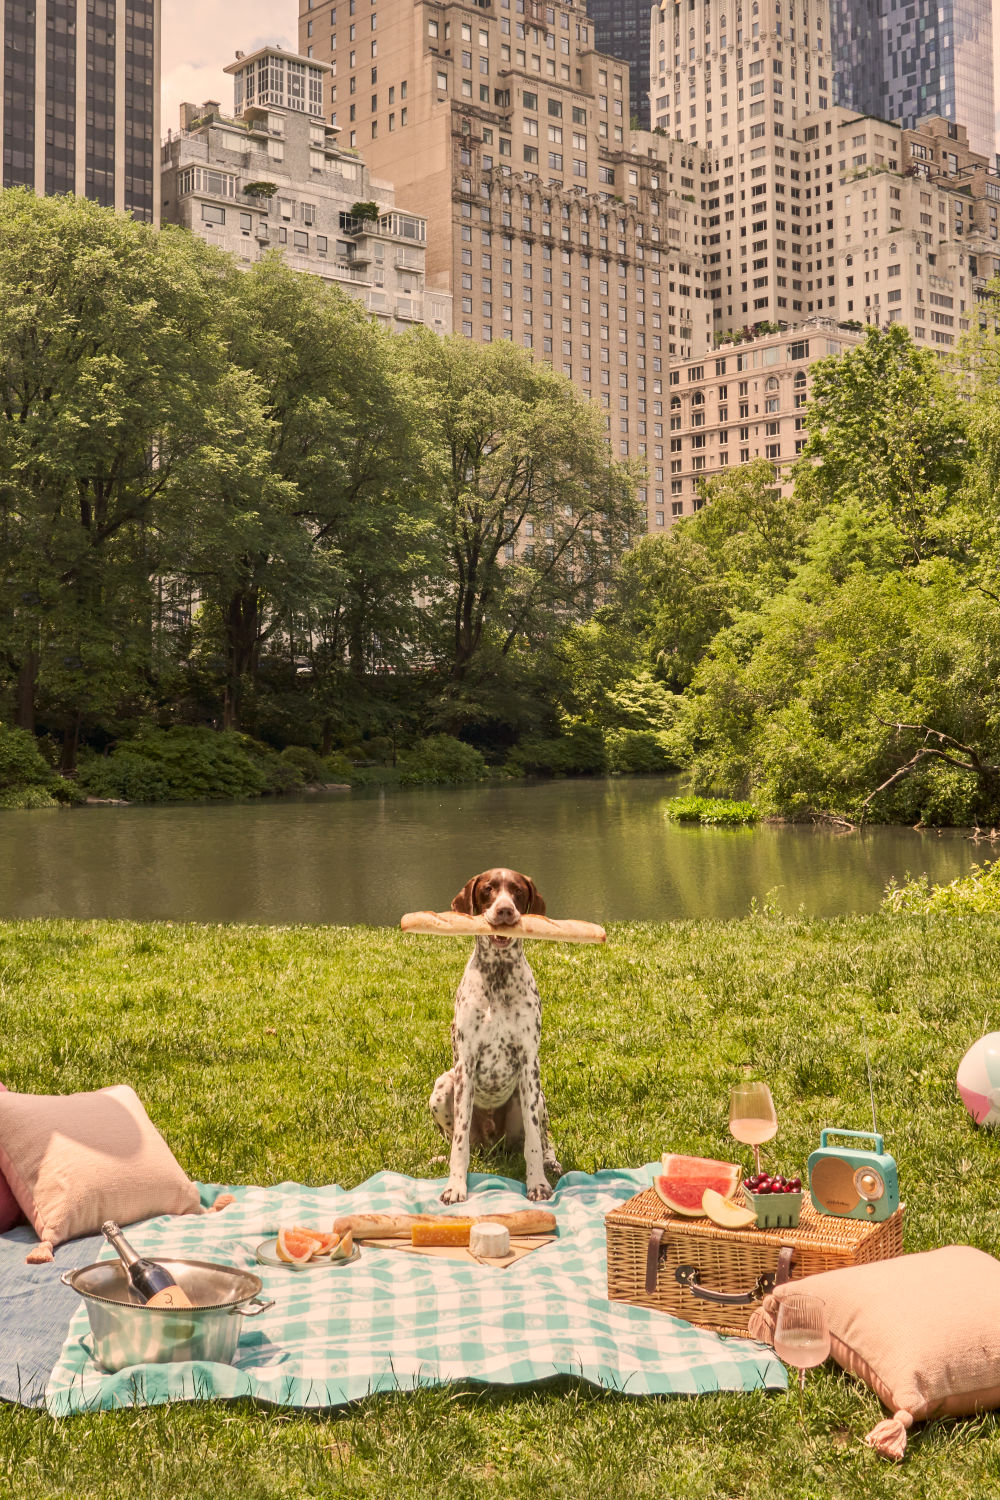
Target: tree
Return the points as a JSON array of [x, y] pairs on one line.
[[533, 509], [887, 434], [114, 387], [335, 562], [675, 592]]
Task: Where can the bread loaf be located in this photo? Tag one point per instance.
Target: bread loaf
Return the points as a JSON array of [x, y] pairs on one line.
[[457, 924], [399, 1226]]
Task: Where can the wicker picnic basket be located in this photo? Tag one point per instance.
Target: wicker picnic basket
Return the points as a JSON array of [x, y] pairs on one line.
[[715, 1277]]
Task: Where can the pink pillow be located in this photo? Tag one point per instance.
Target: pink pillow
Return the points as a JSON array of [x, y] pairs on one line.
[[75, 1160], [923, 1331], [10, 1209]]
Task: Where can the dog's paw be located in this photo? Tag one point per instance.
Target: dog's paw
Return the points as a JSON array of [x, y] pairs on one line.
[[454, 1195], [539, 1192], [553, 1166]]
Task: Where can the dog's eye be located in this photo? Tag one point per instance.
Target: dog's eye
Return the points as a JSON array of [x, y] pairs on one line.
[[487, 889]]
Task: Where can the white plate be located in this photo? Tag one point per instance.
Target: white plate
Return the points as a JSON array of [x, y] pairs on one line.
[[267, 1255]]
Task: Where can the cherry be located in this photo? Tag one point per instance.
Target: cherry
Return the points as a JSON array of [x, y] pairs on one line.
[[788, 1188], [797, 1184]]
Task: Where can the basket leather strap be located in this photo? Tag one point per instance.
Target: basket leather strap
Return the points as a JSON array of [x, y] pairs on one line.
[[653, 1248], [785, 1257]]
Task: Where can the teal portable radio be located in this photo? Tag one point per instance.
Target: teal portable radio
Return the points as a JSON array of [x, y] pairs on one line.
[[853, 1184]]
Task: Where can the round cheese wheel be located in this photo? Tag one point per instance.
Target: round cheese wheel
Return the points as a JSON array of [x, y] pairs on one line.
[[492, 1240]]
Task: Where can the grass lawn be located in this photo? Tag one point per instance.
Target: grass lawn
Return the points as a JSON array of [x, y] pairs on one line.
[[272, 1053]]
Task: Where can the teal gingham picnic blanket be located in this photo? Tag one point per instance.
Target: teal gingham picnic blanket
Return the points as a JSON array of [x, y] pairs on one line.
[[392, 1321]]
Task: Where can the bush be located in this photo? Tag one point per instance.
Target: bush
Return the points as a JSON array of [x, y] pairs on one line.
[[17, 798], [637, 752], [307, 765], [26, 778], [578, 752], [21, 762], [711, 811], [187, 765], [337, 767], [979, 891], [441, 759]]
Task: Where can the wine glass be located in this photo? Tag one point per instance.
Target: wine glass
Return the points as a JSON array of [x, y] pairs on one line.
[[801, 1335], [752, 1116]]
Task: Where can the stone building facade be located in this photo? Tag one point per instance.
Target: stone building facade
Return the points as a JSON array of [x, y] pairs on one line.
[[273, 177], [551, 222]]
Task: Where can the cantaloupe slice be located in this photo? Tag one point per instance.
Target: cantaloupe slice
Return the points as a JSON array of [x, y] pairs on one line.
[[726, 1213]]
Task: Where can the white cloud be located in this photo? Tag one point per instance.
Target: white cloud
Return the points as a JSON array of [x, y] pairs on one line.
[[201, 36]]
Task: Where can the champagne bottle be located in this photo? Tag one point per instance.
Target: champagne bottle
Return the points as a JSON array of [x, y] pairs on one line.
[[149, 1280]]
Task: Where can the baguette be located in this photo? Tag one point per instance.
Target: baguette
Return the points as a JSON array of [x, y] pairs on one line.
[[457, 924], [399, 1226]]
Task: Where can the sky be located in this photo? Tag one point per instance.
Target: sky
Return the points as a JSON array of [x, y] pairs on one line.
[[199, 37]]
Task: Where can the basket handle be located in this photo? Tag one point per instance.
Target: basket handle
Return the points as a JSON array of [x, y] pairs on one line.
[[687, 1276]]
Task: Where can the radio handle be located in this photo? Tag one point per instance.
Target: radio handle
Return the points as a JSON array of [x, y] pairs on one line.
[[865, 1135]]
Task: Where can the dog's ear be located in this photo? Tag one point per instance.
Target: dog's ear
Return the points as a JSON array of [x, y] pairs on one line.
[[463, 902], [536, 905]]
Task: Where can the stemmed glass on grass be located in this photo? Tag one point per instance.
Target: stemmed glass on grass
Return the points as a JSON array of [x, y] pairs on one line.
[[801, 1335], [752, 1117]]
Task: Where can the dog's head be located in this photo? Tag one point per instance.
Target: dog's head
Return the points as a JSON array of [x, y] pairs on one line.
[[502, 897]]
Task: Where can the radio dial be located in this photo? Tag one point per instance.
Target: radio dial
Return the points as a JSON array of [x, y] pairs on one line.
[[869, 1184]]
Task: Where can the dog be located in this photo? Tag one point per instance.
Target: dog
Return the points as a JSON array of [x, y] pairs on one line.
[[493, 1090]]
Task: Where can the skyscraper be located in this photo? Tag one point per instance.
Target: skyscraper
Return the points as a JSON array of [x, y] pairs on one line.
[[80, 107], [908, 59], [621, 28]]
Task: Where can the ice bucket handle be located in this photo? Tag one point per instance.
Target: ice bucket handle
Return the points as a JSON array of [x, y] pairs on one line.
[[257, 1307], [687, 1276]]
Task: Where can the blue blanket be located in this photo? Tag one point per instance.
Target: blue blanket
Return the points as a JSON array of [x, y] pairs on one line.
[[388, 1321]]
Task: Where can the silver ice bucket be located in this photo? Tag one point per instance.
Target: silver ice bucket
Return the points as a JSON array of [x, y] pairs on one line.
[[126, 1332]]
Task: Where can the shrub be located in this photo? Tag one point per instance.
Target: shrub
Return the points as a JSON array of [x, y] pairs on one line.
[[17, 798], [26, 779], [187, 765], [337, 767], [637, 752], [441, 759], [712, 811], [21, 762], [578, 752], [979, 891], [304, 762]]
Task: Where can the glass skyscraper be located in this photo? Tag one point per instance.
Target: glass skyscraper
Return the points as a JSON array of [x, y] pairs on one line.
[[80, 107], [903, 59], [621, 28]]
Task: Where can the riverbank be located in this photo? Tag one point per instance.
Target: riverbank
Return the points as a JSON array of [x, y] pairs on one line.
[[266, 1054]]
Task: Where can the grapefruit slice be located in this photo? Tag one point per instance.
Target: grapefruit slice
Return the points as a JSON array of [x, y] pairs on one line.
[[296, 1246], [685, 1179], [344, 1248], [327, 1242], [724, 1212]]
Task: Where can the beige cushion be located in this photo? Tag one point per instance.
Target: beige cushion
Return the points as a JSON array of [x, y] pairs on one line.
[[923, 1331], [75, 1160]]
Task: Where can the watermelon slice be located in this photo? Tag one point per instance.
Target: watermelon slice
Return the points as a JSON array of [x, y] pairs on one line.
[[685, 1179]]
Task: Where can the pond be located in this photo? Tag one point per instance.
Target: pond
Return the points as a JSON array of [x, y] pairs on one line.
[[600, 850]]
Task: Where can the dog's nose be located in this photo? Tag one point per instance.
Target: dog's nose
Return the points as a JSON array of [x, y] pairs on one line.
[[505, 914]]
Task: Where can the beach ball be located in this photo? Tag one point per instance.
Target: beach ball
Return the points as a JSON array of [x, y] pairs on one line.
[[979, 1080]]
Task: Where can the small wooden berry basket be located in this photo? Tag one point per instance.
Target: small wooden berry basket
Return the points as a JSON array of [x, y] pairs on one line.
[[714, 1277]]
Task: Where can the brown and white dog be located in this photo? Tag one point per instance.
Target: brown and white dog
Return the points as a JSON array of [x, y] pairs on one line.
[[493, 1089]]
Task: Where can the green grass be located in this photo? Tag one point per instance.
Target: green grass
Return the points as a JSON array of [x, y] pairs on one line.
[[266, 1054]]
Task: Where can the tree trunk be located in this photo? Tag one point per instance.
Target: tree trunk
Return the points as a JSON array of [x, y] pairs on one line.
[[242, 622], [27, 678], [70, 747]]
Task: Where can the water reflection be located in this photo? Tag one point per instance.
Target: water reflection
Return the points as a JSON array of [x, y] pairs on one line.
[[597, 849]]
